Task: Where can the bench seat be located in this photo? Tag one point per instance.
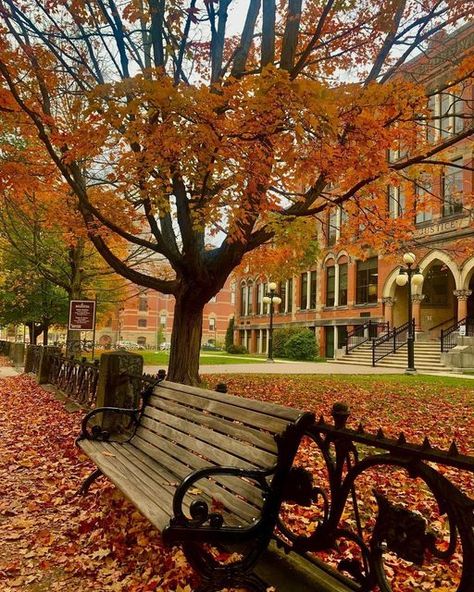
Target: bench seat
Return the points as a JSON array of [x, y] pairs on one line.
[[202, 466]]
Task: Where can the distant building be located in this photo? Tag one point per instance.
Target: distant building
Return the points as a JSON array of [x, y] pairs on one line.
[[340, 292], [146, 318]]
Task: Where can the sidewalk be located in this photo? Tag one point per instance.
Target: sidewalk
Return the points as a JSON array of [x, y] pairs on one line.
[[7, 371], [286, 367]]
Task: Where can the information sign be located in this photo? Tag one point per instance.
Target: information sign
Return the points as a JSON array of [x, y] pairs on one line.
[[82, 315]]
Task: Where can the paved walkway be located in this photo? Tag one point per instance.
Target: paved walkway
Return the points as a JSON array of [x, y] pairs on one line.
[[287, 367], [283, 367], [6, 371]]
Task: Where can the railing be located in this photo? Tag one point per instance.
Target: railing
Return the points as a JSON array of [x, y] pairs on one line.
[[363, 333], [75, 378], [449, 336], [363, 524], [390, 342]]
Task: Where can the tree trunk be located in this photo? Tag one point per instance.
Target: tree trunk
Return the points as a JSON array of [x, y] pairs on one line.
[[186, 339], [45, 332]]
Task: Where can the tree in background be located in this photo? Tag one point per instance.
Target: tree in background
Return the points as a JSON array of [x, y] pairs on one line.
[[170, 123], [27, 298], [45, 267], [229, 334]]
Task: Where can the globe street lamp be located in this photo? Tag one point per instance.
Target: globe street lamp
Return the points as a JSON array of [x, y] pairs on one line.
[[409, 276], [271, 298]]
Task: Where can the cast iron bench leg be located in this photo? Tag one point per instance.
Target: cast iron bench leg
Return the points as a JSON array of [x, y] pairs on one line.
[[88, 482], [250, 582]]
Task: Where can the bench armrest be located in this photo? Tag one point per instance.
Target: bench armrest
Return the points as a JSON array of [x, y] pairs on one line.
[[97, 432], [207, 525]]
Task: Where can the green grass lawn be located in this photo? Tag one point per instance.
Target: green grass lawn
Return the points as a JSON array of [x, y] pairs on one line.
[[152, 358]]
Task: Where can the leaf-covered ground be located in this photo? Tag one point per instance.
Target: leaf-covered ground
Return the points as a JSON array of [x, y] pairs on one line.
[[51, 539]]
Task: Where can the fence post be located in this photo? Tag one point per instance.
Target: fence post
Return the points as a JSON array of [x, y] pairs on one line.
[[29, 358], [45, 362], [17, 354], [119, 384]]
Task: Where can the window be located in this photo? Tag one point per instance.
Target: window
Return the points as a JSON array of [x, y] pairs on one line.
[[142, 322], [447, 109], [163, 321], [452, 184], [212, 324], [423, 191], [396, 201], [367, 275], [331, 286], [232, 293], [259, 300], [304, 291], [289, 295], [243, 301], [308, 287], [333, 226], [312, 289], [282, 294], [141, 341], [342, 300], [143, 304], [250, 299]]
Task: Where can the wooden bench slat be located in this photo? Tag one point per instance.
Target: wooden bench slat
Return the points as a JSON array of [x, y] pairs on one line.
[[285, 413], [208, 441], [132, 491], [255, 419], [156, 447], [240, 510], [259, 438]]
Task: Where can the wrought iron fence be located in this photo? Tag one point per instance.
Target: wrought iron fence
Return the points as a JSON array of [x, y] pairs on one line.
[[449, 337], [362, 516], [75, 378], [364, 333]]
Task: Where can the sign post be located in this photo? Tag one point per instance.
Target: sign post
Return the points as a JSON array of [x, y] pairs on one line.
[[82, 317]]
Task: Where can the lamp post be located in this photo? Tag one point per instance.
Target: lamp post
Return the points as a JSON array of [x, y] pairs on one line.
[[271, 298], [410, 275]]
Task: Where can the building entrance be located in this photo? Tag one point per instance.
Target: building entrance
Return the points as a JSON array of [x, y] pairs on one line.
[[439, 304]]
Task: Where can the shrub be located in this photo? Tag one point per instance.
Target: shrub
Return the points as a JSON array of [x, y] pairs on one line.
[[229, 334], [301, 346], [280, 337], [237, 349]]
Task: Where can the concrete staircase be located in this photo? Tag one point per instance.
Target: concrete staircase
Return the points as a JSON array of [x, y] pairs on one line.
[[427, 357]]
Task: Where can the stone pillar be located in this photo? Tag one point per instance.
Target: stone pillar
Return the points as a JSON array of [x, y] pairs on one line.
[[29, 358], [46, 359], [119, 374], [462, 296], [388, 304], [118, 386], [417, 299]]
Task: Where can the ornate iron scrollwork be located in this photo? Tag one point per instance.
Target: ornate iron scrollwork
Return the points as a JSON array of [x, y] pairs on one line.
[[395, 528], [402, 531]]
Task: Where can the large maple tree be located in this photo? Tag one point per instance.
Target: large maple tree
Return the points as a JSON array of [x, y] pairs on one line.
[[195, 129]]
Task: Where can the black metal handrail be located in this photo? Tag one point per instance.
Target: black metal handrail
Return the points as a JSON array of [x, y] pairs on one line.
[[389, 343], [363, 333], [449, 336]]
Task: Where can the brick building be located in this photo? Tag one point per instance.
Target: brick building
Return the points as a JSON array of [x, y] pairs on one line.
[[341, 292], [146, 318]]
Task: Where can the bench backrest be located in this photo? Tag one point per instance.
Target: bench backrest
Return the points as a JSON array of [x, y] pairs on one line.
[[186, 428]]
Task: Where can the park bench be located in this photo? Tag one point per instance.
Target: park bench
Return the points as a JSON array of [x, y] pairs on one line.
[[209, 470]]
